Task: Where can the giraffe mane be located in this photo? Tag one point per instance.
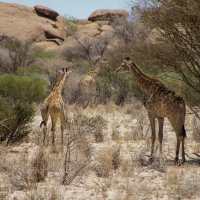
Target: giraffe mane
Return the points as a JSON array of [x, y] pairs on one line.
[[58, 82], [144, 75]]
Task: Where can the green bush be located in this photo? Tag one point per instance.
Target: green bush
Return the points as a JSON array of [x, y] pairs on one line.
[[15, 120], [30, 70], [43, 54], [124, 84], [22, 88], [72, 19]]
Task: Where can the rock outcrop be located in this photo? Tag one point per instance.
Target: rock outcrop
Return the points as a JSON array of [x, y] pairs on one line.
[[46, 11], [106, 15], [23, 23], [46, 29]]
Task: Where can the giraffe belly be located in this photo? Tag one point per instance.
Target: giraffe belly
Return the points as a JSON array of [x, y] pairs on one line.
[[157, 109]]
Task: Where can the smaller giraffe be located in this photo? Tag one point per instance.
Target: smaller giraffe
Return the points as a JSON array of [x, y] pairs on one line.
[[53, 106], [162, 103], [87, 83]]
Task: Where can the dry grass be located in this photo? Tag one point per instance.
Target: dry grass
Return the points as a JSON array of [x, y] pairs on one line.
[[196, 132], [117, 144], [182, 185]]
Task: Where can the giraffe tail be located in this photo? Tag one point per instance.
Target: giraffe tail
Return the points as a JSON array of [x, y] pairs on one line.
[[43, 122], [184, 131]]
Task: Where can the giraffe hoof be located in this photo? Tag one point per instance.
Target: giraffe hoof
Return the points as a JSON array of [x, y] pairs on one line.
[[178, 162]]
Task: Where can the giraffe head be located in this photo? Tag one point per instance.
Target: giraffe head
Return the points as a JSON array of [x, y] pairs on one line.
[[104, 62], [63, 70], [124, 67]]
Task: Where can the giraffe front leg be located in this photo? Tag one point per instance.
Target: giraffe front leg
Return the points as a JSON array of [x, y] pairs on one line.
[[153, 135]]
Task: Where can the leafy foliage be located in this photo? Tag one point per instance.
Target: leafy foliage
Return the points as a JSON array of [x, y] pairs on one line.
[[22, 88], [30, 70], [14, 120], [43, 54], [19, 54], [175, 46]]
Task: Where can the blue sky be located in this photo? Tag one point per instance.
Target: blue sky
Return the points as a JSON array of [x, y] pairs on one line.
[[79, 9]]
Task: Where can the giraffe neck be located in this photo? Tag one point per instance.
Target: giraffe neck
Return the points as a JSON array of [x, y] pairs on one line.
[[147, 84], [58, 86], [95, 71]]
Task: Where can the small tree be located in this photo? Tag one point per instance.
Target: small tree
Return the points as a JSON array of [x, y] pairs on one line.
[[19, 54], [175, 42]]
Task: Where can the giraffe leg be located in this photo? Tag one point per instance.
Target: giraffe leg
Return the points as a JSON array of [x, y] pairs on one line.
[[90, 100], [85, 99], [183, 149], [153, 135], [45, 129], [180, 135], [44, 134], [160, 134], [62, 121], [54, 120], [177, 147], [45, 116]]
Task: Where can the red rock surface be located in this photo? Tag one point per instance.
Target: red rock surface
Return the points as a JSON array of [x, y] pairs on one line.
[[106, 15], [46, 11], [23, 23]]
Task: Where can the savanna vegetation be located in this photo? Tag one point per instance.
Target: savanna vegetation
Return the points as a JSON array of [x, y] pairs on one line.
[[161, 36]]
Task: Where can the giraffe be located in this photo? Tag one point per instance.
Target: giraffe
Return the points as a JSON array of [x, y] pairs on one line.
[[87, 83], [162, 103], [53, 106]]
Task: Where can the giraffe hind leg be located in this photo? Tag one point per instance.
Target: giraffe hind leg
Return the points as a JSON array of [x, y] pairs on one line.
[[62, 121], [160, 134], [180, 134], [183, 143], [54, 120]]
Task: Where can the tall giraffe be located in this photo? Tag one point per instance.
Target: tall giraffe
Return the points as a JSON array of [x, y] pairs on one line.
[[162, 103], [53, 106], [87, 83]]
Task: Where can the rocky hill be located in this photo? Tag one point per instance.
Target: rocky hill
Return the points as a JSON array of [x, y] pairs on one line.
[[46, 28]]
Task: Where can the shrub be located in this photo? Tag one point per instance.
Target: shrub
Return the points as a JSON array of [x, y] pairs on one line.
[[5, 61], [39, 166], [14, 121], [22, 88], [72, 19], [30, 70], [43, 54]]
